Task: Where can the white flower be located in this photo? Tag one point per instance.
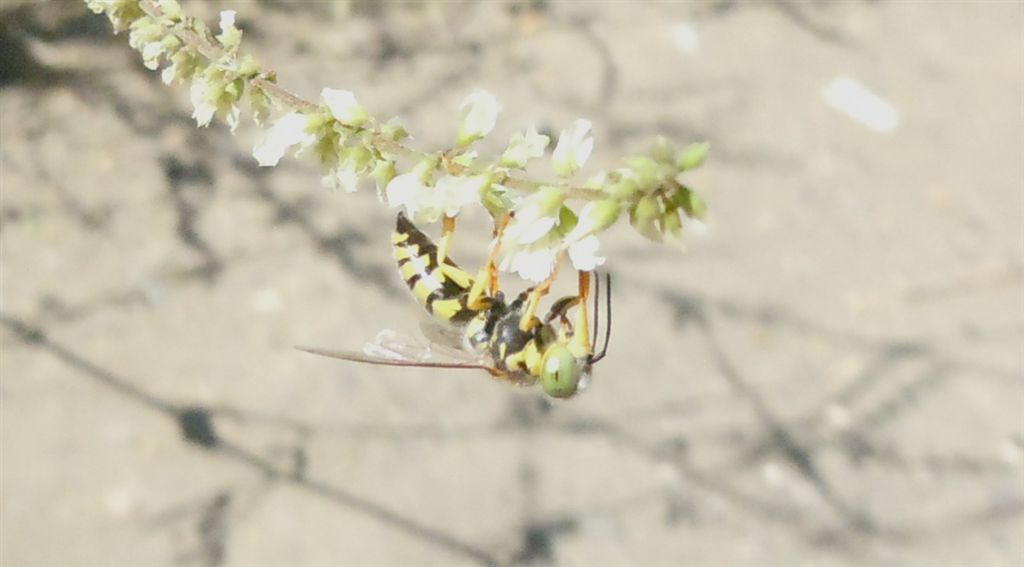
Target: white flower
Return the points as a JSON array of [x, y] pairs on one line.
[[353, 163], [583, 254], [120, 12], [524, 146], [343, 178], [533, 264], [531, 249], [479, 114], [455, 192], [406, 190], [227, 20], [209, 99], [181, 65], [151, 53], [595, 217], [204, 109], [427, 204], [573, 149], [169, 73], [147, 37], [535, 216], [286, 132], [344, 107], [230, 36], [233, 116]]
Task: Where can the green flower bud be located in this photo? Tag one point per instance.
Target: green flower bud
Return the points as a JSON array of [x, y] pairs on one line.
[[645, 215], [567, 220], [495, 200], [171, 9], [623, 190], [317, 120], [595, 217], [464, 159], [357, 158], [234, 89], [693, 155], [393, 131], [604, 214], [691, 203], [663, 151], [546, 200], [248, 67], [259, 102], [671, 224], [425, 169], [200, 27], [383, 173], [647, 173]]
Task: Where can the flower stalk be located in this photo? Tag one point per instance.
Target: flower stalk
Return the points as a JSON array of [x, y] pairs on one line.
[[351, 145]]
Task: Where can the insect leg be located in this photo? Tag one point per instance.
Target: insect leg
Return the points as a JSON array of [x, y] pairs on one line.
[[486, 283], [581, 331], [529, 318], [447, 229], [560, 309], [492, 257]]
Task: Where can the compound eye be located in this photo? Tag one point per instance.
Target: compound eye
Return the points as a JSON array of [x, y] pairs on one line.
[[560, 374]]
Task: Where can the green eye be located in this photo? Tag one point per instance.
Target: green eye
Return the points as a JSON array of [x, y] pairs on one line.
[[560, 374]]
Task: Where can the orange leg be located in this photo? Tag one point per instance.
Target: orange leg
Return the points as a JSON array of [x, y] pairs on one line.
[[447, 229], [487, 278], [529, 319], [581, 330], [492, 260]]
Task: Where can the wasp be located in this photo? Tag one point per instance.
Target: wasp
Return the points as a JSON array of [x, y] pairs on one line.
[[478, 328]]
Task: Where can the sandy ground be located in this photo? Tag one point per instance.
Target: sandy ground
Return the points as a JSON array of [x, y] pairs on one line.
[[833, 375]]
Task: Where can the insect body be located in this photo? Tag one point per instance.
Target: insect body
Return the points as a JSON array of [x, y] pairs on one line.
[[506, 339], [439, 285]]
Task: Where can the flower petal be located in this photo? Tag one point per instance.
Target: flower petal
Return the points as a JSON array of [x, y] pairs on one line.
[[402, 189], [344, 107], [524, 146], [573, 149], [203, 109], [533, 265], [229, 35], [479, 114], [530, 231], [287, 131], [454, 192], [583, 254]]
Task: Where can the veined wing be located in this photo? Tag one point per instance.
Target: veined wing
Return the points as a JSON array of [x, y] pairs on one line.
[[446, 339], [354, 356], [388, 350]]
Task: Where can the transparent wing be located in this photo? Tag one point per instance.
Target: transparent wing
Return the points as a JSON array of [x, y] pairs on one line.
[[389, 349], [354, 356], [445, 338]]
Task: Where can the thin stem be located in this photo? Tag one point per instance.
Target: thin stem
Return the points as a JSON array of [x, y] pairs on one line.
[[211, 51]]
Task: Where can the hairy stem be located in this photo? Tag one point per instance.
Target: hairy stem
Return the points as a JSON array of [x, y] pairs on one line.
[[206, 47]]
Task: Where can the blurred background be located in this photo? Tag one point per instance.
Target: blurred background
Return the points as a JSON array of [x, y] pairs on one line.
[[832, 375]]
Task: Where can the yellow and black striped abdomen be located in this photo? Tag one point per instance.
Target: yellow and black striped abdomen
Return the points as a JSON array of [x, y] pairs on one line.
[[441, 287]]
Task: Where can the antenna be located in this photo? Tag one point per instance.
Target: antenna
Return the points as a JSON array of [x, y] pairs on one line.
[[597, 312], [608, 324]]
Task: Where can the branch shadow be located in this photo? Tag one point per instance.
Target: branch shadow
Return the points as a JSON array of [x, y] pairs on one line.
[[692, 310], [339, 246], [197, 426]]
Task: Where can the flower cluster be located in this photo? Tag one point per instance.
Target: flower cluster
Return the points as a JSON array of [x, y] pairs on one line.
[[549, 220]]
